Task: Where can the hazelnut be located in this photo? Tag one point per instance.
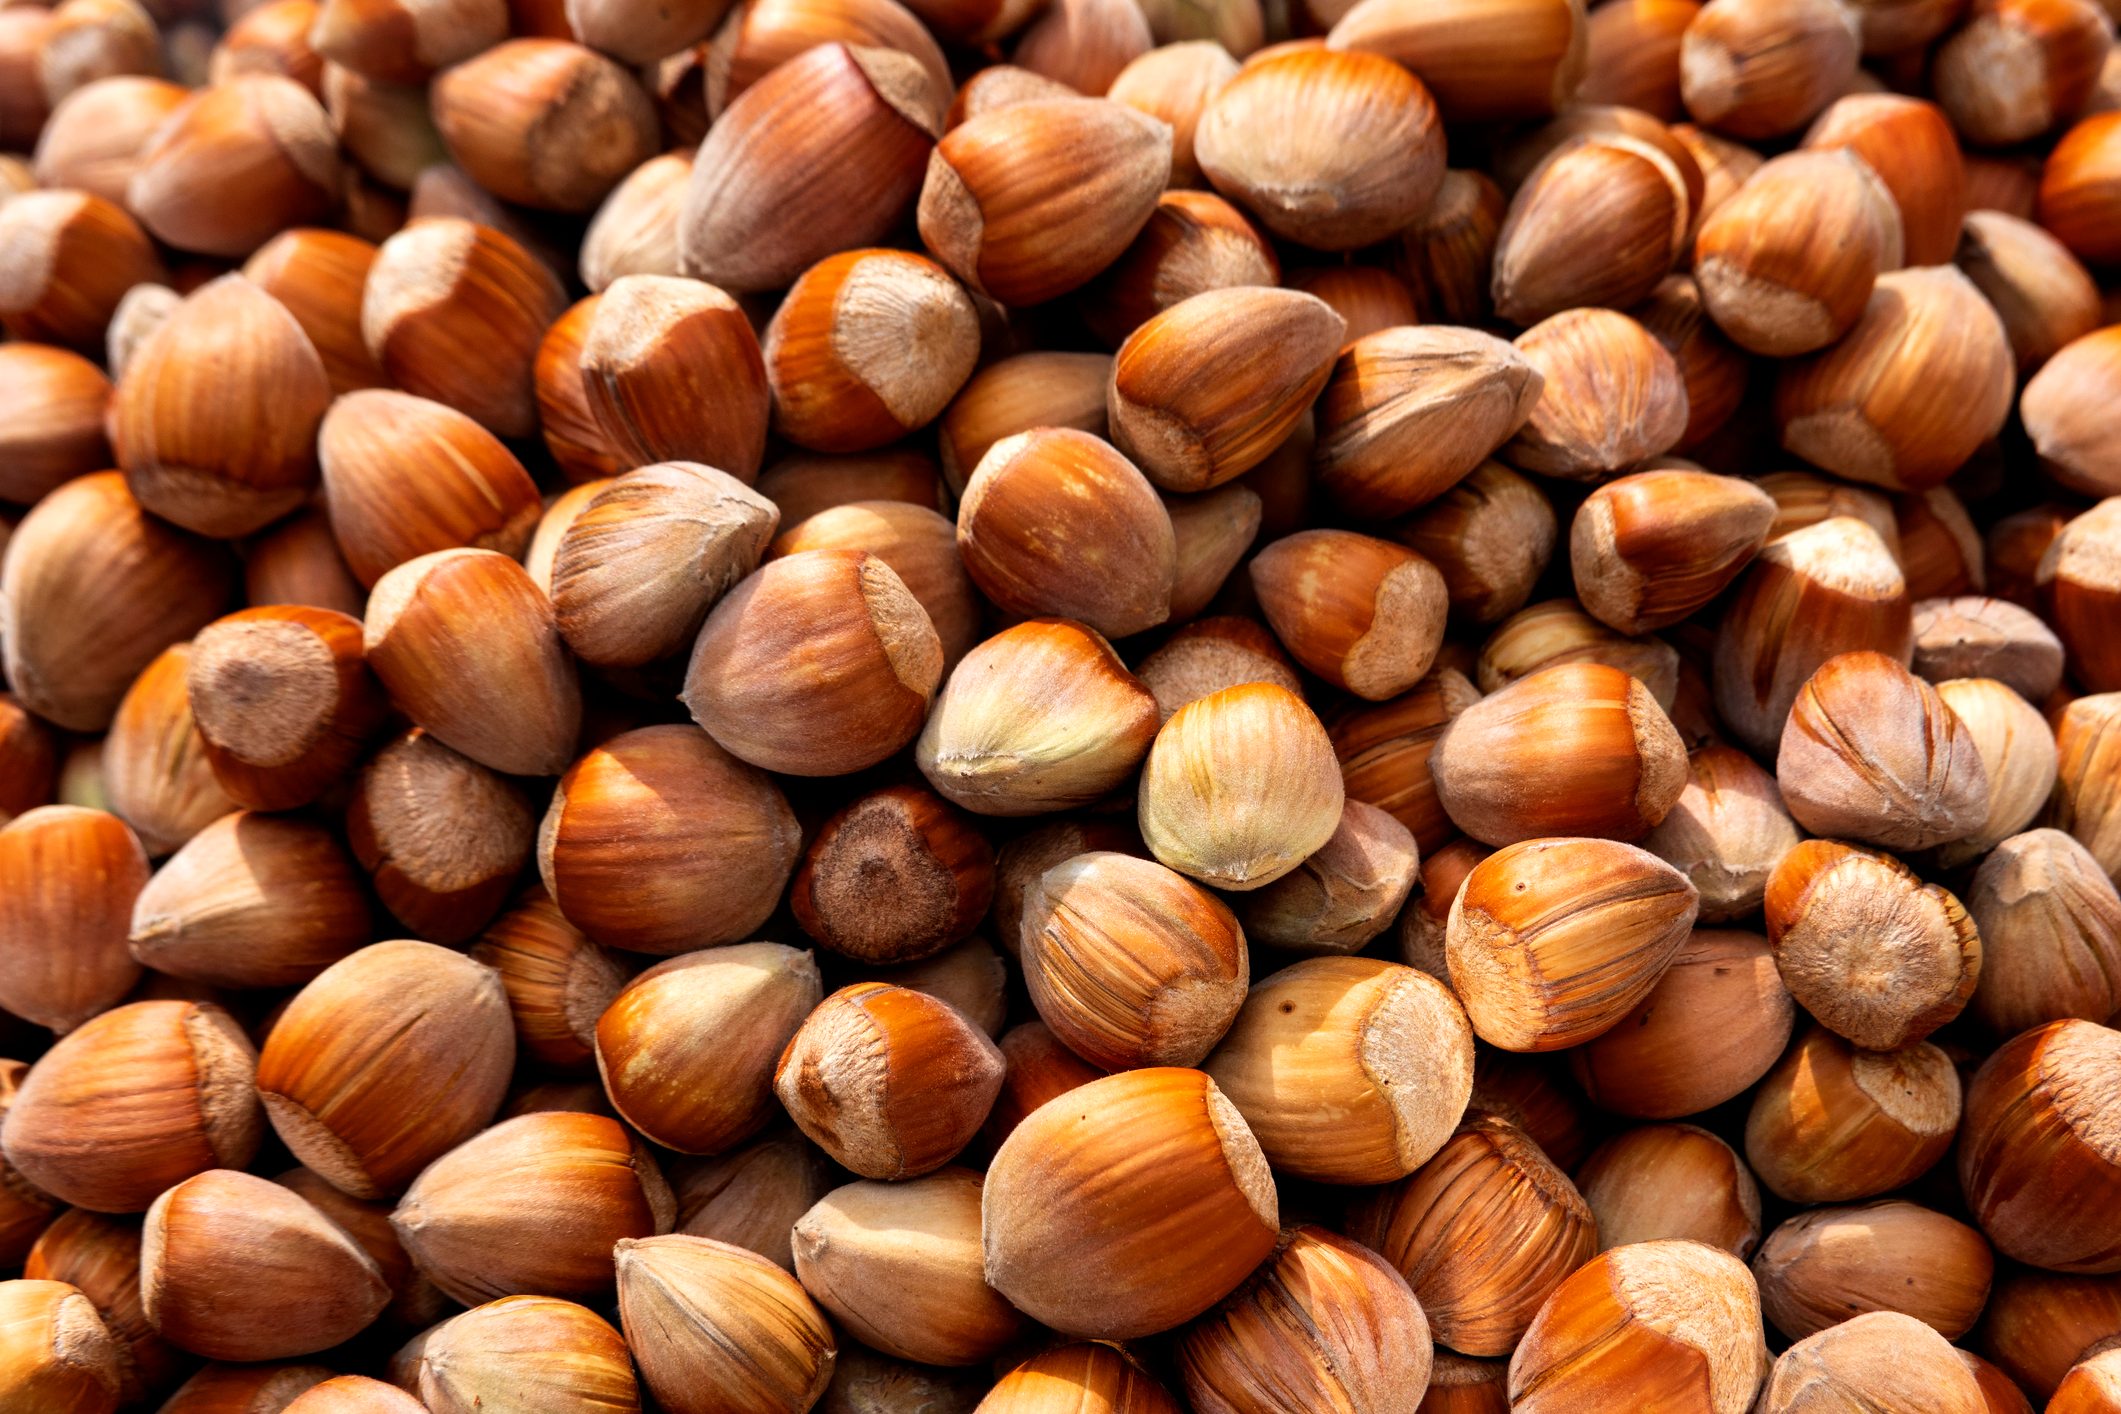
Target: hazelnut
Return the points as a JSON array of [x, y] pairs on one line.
[[823, 154], [1580, 748], [1606, 192], [1331, 149], [1869, 949], [888, 1081], [1873, 753], [70, 257], [1611, 396], [1832, 1123], [659, 841], [1786, 265], [873, 662], [1648, 550], [454, 312], [2037, 1161], [1409, 413], [199, 1113], [525, 1351], [751, 1197], [1344, 895], [2048, 303], [545, 123], [264, 135], [1094, 1377], [252, 900], [68, 879], [1826, 1264], [29, 752], [1726, 833], [532, 1206], [1113, 565], [1347, 1070], [1385, 752], [1025, 243], [1131, 1205], [1531, 1095], [894, 876], [1208, 388], [672, 373], [1671, 1182], [1324, 1322], [284, 703], [1015, 395], [1974, 637], [1365, 614], [1859, 410], [1713, 1024], [1813, 593], [1130, 963], [2018, 68], [235, 1267], [1536, 977], [415, 1301], [1240, 787], [1041, 717], [1482, 61], [652, 1042], [407, 477], [1878, 1360], [715, 1328], [466, 645], [389, 1059], [442, 836], [1755, 69], [1680, 1316], [898, 1265], [2050, 925], [2002, 1395], [635, 573], [387, 129], [866, 347], [58, 1357], [1483, 1232]]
